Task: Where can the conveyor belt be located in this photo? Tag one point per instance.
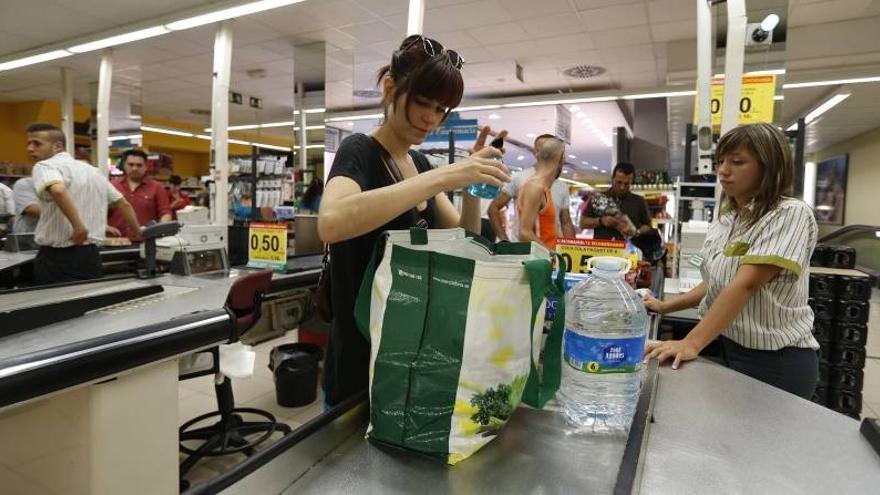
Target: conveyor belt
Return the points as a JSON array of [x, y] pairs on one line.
[[33, 308]]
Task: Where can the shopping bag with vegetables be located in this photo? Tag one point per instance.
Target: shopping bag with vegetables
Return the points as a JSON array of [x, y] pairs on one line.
[[455, 327]]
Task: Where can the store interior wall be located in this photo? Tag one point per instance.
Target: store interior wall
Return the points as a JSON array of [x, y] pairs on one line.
[[863, 179], [15, 117]]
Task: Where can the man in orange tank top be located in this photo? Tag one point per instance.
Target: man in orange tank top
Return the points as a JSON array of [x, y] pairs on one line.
[[536, 211]]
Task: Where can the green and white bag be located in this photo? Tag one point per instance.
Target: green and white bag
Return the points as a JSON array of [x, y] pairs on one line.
[[455, 326]]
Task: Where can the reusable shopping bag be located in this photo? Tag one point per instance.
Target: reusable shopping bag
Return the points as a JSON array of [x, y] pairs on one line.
[[455, 325]]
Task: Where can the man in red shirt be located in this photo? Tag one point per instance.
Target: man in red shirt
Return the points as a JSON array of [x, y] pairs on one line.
[[146, 196]]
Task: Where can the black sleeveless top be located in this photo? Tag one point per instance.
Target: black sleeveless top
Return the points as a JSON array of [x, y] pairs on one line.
[[348, 353]]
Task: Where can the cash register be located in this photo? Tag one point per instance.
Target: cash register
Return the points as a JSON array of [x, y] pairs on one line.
[[198, 248]]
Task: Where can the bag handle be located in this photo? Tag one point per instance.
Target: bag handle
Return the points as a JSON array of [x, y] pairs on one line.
[[362, 302], [541, 388]]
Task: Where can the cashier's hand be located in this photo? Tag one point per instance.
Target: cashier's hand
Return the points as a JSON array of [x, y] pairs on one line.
[[653, 304], [678, 350]]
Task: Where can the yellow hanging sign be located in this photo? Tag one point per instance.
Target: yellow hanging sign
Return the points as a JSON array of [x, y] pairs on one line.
[[756, 101]]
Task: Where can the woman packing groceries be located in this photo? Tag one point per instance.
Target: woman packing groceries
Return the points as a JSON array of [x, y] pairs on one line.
[[755, 269], [377, 183]]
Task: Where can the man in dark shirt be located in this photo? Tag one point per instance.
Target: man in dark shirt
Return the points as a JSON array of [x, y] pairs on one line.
[[617, 213]]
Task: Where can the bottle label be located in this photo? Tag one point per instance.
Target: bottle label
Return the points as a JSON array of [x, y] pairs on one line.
[[603, 355]]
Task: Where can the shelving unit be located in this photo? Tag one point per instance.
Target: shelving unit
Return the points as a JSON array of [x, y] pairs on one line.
[[685, 192]]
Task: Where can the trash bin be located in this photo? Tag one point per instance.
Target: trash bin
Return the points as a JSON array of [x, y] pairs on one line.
[[295, 368]]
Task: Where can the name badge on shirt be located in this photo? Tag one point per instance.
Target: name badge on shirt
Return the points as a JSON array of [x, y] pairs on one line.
[[695, 260]]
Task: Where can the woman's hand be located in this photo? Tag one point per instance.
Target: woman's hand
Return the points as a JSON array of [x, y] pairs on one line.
[[479, 168], [653, 304], [679, 350]]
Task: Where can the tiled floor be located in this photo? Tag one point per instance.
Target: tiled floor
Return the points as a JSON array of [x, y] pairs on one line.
[[196, 396]]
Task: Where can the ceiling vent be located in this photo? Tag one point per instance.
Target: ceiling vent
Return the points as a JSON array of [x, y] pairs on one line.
[[200, 111], [256, 73], [584, 71], [367, 93]]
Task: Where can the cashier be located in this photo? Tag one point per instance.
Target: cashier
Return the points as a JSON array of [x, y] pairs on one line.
[[755, 269], [147, 196]]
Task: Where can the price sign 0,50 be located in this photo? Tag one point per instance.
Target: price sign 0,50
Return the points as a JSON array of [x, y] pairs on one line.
[[267, 246]]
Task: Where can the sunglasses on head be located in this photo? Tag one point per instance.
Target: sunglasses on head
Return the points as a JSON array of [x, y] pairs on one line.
[[432, 48]]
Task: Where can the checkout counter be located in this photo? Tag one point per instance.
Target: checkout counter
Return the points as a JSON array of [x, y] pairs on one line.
[[88, 395], [700, 429]]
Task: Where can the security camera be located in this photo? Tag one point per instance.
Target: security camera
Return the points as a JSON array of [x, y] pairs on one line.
[[756, 35], [762, 33]]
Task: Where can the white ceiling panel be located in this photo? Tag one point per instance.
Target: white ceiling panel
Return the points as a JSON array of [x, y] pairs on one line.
[[529, 9], [617, 38], [802, 14], [465, 16], [676, 30], [455, 40], [616, 16], [385, 8], [661, 11], [594, 4], [374, 32], [498, 33], [514, 50], [569, 43], [554, 25]]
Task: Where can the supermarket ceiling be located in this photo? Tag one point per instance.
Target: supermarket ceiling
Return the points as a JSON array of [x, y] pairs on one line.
[[640, 44]]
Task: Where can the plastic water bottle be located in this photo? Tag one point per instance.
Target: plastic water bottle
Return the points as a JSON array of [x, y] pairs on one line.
[[487, 191], [603, 343]]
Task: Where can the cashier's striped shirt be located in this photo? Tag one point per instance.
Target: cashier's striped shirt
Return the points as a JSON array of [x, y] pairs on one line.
[[90, 191], [777, 315]]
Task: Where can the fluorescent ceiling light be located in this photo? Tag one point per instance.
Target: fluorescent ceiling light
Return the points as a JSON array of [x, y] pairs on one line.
[[222, 15], [813, 84], [825, 106], [288, 123], [313, 110], [770, 22], [494, 116], [576, 183], [202, 136], [239, 141], [119, 39], [585, 163], [272, 147], [125, 138], [779, 97], [595, 167], [521, 157], [768, 72], [596, 99], [238, 127], [572, 157], [531, 135], [314, 146], [357, 117], [34, 59], [166, 131], [668, 94], [478, 107]]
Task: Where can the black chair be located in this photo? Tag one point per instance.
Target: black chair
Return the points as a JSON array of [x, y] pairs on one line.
[[229, 435]]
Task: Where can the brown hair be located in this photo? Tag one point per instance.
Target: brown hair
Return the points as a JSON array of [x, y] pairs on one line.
[[768, 145], [415, 73], [55, 134]]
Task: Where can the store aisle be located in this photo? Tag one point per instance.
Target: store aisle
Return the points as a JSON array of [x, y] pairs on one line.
[[196, 396], [871, 390]]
